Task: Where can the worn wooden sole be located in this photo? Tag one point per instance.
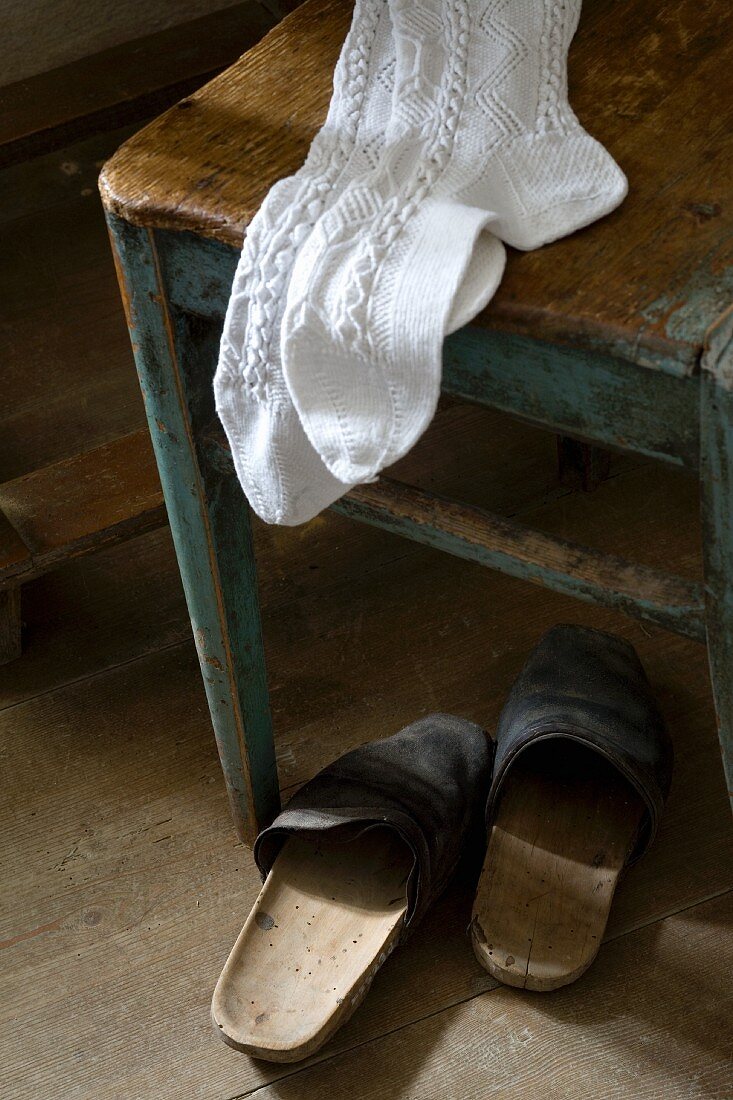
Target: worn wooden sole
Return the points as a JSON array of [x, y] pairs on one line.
[[565, 827], [326, 919]]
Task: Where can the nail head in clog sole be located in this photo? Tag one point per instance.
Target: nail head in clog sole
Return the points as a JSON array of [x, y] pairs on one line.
[[555, 853], [326, 919]]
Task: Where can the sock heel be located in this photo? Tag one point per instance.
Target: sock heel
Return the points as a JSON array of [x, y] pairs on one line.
[[550, 185]]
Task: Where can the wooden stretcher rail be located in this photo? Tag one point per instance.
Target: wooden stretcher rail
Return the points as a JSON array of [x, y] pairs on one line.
[[470, 533], [476, 535]]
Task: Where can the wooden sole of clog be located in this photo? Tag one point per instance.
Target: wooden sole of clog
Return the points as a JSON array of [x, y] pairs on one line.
[[326, 919], [556, 849]]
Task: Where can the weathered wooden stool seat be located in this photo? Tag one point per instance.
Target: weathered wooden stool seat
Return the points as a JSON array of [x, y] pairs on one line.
[[644, 283], [618, 335]]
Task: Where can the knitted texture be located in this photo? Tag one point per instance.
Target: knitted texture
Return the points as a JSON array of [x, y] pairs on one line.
[[534, 164], [481, 134], [280, 472], [282, 475], [372, 289]]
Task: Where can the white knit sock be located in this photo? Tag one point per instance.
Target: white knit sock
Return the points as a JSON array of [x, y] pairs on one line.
[[282, 475], [481, 90], [536, 166], [372, 289]]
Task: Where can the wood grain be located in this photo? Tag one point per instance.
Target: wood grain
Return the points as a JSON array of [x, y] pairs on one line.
[[492, 461], [556, 850], [625, 1033], [645, 283], [211, 527], [328, 916], [99, 497], [192, 157], [116, 843], [500, 544], [117, 822]]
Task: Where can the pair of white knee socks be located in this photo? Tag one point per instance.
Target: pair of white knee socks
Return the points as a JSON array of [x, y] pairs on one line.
[[449, 131]]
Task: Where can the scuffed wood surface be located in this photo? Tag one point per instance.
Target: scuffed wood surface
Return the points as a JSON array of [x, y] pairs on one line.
[[645, 283], [78, 505], [333, 913], [531, 555], [116, 824], [625, 1032], [556, 850], [207, 163]]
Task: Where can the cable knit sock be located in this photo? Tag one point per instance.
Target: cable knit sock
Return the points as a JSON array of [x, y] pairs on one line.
[[373, 288], [481, 92], [282, 475], [534, 164]]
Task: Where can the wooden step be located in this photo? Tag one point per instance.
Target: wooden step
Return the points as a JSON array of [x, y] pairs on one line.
[[77, 506]]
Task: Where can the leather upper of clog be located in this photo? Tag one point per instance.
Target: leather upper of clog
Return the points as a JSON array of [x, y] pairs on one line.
[[589, 686], [428, 782]]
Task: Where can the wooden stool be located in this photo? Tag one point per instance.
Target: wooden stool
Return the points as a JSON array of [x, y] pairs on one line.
[[620, 335]]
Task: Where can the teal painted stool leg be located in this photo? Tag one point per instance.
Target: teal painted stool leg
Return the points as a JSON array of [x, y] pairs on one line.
[[10, 625], [175, 354], [581, 465], [716, 442]]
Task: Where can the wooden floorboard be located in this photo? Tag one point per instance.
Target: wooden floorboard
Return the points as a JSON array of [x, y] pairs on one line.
[[124, 884], [127, 883], [626, 1030]]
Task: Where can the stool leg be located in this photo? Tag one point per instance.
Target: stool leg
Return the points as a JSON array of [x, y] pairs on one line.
[[175, 356], [10, 625], [716, 472], [581, 465]]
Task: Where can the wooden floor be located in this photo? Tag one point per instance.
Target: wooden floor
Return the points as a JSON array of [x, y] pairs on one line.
[[123, 883]]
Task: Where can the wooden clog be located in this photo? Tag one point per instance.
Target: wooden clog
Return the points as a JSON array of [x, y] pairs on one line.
[[583, 766], [350, 866]]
